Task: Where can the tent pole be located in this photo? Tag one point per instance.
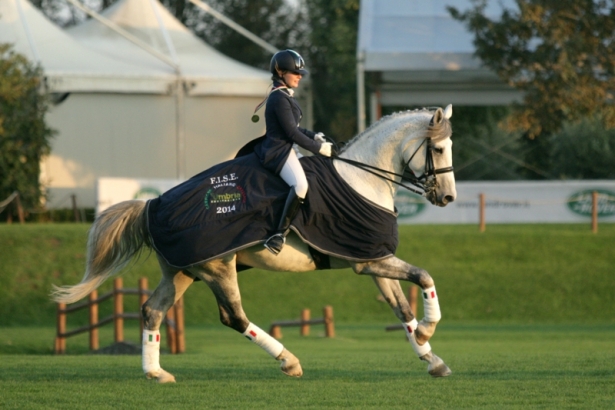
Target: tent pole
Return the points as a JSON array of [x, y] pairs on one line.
[[249, 35], [26, 28], [361, 91], [179, 129]]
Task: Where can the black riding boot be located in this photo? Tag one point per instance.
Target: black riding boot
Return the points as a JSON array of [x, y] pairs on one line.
[[276, 242]]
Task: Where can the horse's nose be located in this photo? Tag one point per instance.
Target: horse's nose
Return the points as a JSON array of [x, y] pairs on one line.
[[449, 199]]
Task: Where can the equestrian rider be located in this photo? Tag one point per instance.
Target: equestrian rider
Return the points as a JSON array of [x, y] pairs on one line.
[[276, 153]]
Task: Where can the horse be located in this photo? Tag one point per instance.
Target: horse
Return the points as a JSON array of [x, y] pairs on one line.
[[373, 164]]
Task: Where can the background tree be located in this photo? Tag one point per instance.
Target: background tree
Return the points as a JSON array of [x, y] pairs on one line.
[[560, 53], [24, 136], [584, 150]]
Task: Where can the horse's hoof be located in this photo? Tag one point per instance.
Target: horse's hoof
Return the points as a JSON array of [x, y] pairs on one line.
[[290, 365], [162, 376], [437, 368]]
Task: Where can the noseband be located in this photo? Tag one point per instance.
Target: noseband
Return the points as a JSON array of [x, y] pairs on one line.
[[427, 182]]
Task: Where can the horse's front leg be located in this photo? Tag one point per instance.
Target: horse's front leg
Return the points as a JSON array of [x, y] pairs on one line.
[[393, 294], [395, 268], [418, 333]]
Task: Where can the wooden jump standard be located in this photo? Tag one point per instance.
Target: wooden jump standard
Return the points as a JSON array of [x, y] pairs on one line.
[[305, 322], [174, 320]]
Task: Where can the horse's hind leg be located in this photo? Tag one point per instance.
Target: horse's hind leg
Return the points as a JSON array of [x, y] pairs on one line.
[[172, 286], [221, 277]]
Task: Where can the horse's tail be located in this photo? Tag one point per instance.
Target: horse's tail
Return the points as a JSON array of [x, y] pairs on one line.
[[116, 236]]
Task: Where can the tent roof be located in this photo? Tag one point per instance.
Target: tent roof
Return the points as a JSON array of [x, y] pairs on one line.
[[424, 55], [207, 71], [68, 65]]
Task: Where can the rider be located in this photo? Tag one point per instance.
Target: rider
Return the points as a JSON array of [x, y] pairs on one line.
[[276, 153]]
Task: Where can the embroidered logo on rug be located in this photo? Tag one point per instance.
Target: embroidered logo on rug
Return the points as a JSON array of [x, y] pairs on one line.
[[225, 194]]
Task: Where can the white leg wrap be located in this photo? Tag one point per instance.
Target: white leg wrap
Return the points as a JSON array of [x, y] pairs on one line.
[[151, 351], [410, 327], [431, 306], [262, 338]]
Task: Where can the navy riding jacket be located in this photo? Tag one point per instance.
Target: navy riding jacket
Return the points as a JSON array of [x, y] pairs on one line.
[[282, 117]]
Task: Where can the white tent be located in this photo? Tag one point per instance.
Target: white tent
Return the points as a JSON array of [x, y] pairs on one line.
[[129, 113], [206, 71], [68, 65], [423, 56]]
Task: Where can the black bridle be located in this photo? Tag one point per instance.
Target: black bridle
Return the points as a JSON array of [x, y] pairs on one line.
[[427, 182]]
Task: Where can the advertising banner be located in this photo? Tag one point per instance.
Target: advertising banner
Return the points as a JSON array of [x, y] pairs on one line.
[[505, 201], [514, 202]]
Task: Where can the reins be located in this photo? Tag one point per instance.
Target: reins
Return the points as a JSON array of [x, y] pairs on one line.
[[425, 182]]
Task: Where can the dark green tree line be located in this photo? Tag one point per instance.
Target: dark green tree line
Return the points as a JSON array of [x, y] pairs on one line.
[[24, 136]]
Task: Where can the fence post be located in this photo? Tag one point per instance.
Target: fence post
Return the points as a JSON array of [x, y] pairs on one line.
[[60, 345], [93, 320], [118, 310], [171, 330], [481, 212], [142, 299], [73, 199], [412, 294], [305, 327], [595, 212], [179, 325], [327, 313], [20, 213], [275, 332]]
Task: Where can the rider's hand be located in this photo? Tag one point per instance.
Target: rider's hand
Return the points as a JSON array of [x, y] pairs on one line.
[[320, 137], [325, 149]]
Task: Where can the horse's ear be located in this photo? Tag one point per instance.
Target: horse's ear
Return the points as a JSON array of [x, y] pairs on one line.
[[448, 111], [437, 117]]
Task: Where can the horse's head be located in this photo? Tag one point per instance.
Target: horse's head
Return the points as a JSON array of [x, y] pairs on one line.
[[431, 160]]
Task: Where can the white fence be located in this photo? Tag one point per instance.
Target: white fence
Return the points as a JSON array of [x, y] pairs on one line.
[[505, 202]]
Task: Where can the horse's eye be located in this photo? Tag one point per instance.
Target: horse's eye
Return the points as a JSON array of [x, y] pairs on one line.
[[439, 150]]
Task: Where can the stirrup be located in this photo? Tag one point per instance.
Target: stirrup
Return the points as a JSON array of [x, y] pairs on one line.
[[275, 243]]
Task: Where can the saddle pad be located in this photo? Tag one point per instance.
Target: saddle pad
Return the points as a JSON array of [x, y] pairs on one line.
[[238, 203]]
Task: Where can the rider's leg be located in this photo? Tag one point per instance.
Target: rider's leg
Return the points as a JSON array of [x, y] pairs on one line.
[[292, 173]]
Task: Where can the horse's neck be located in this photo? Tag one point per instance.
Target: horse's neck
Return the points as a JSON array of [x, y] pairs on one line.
[[380, 148]]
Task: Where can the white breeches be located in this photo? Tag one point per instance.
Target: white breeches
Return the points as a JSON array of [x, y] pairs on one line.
[[292, 173]]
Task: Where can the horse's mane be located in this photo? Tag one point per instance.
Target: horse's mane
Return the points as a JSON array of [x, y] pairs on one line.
[[436, 132]]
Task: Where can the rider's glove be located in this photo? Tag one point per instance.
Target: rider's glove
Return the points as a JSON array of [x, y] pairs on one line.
[[320, 137], [325, 149]]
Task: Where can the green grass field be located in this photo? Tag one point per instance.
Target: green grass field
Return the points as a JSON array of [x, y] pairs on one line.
[[494, 366], [527, 323], [510, 273]]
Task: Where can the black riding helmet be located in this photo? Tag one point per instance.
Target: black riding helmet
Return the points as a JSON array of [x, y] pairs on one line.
[[287, 60]]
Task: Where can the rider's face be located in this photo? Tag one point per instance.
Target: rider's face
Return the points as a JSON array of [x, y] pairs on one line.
[[292, 79]]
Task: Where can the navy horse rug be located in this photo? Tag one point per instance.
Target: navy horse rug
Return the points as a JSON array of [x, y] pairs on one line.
[[238, 204]]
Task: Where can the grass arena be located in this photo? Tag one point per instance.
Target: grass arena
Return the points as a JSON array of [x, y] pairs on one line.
[[527, 322]]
